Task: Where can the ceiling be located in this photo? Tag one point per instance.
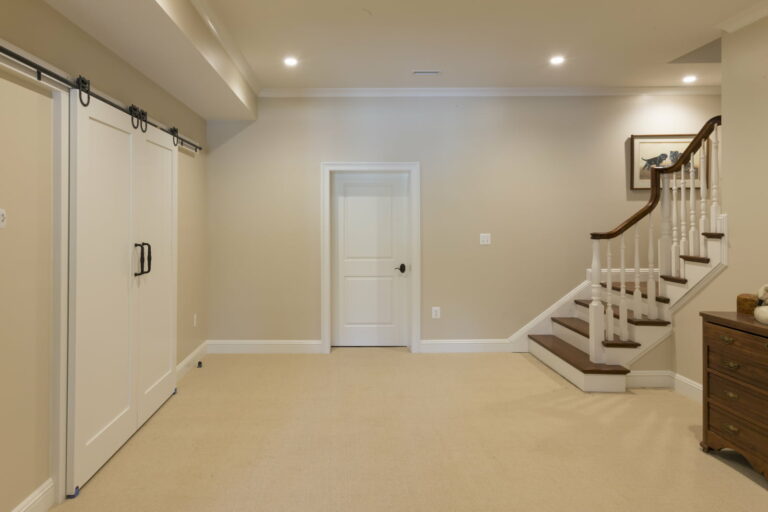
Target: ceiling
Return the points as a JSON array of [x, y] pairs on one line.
[[217, 56], [475, 43]]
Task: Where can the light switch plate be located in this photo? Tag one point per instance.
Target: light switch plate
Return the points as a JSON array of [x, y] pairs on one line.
[[485, 239], [435, 311], [2, 218]]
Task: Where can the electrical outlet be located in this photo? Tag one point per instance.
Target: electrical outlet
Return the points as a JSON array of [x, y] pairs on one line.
[[2, 218], [485, 239], [435, 311]]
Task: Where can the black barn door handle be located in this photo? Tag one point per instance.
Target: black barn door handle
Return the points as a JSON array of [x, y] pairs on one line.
[[149, 257], [141, 261]]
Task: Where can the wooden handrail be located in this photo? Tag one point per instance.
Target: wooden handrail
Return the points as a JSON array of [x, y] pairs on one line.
[[656, 173]]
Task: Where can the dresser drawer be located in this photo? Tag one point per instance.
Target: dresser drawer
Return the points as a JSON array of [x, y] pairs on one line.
[[742, 399], [741, 433], [752, 346], [736, 364]]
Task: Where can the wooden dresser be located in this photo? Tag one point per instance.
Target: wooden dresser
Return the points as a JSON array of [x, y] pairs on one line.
[[736, 386]]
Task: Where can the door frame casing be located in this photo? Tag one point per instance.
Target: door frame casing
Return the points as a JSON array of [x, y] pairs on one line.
[[413, 170]]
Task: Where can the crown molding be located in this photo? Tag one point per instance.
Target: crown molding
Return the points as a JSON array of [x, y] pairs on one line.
[[480, 92], [745, 17]]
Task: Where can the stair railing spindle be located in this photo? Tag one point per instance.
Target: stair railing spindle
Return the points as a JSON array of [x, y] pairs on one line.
[[683, 216], [714, 217], [637, 297], [610, 328], [675, 250], [623, 324], [651, 282], [703, 222], [665, 239], [693, 230], [596, 310]]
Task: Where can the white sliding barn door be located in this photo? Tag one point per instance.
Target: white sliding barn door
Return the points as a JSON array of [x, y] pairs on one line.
[[122, 340], [102, 399], [154, 206], [370, 236]]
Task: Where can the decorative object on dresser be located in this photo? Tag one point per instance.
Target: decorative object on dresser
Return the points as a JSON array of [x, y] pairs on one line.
[[746, 303], [736, 386], [761, 311]]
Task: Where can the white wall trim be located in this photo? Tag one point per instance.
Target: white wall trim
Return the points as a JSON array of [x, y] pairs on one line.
[[191, 360], [689, 388], [40, 500], [651, 379], [265, 347], [453, 92], [472, 346], [414, 171]]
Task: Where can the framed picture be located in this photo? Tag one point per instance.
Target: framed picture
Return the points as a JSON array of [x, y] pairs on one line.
[[649, 150]]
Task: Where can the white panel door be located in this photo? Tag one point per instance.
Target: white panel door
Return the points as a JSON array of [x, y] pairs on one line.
[[154, 206], [370, 242], [102, 402]]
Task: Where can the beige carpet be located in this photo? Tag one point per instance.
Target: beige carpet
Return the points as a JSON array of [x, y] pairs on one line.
[[373, 429]]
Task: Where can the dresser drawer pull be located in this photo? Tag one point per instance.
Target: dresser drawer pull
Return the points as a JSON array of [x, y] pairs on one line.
[[732, 365], [731, 395], [727, 339], [732, 428]]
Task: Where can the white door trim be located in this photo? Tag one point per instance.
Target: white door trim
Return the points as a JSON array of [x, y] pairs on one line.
[[414, 172]]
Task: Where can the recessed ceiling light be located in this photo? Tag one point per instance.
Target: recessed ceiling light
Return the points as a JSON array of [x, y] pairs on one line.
[[557, 60], [689, 79], [291, 62]]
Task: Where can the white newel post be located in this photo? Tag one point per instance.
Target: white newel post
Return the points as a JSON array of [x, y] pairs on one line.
[[693, 231], [637, 298], [623, 324], [675, 256], [651, 283], [714, 216], [609, 325], [596, 310], [703, 222], [665, 240]]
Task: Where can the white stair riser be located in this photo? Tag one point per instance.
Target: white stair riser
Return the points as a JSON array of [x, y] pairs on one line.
[[571, 337], [600, 383], [639, 333]]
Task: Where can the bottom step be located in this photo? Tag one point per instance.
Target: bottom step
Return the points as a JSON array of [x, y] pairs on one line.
[[575, 366]]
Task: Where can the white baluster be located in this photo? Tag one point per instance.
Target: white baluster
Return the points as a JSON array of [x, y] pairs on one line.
[[623, 324], [675, 257], [693, 231], [714, 217], [665, 240], [610, 329], [596, 310], [683, 217], [637, 296], [651, 283], [703, 222]]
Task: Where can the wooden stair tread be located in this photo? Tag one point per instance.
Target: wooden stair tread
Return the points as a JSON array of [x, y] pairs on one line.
[[630, 314], [581, 327], [631, 289], [695, 259], [713, 235], [575, 357], [673, 279]]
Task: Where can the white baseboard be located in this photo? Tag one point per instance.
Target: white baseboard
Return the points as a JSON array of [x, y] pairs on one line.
[[191, 360], [40, 500], [651, 379], [265, 347], [469, 346], [689, 388]]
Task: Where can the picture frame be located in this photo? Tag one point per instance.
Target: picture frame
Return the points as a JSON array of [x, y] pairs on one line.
[[649, 150]]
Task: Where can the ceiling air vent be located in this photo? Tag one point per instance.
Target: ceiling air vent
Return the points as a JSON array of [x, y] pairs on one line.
[[426, 72]]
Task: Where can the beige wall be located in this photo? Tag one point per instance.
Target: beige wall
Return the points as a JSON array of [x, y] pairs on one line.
[[25, 287], [539, 173], [193, 252], [37, 28], [744, 186]]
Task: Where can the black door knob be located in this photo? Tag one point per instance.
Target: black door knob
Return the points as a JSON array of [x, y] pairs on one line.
[[401, 268]]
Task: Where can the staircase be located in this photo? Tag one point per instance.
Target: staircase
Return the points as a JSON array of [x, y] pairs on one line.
[[593, 334]]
